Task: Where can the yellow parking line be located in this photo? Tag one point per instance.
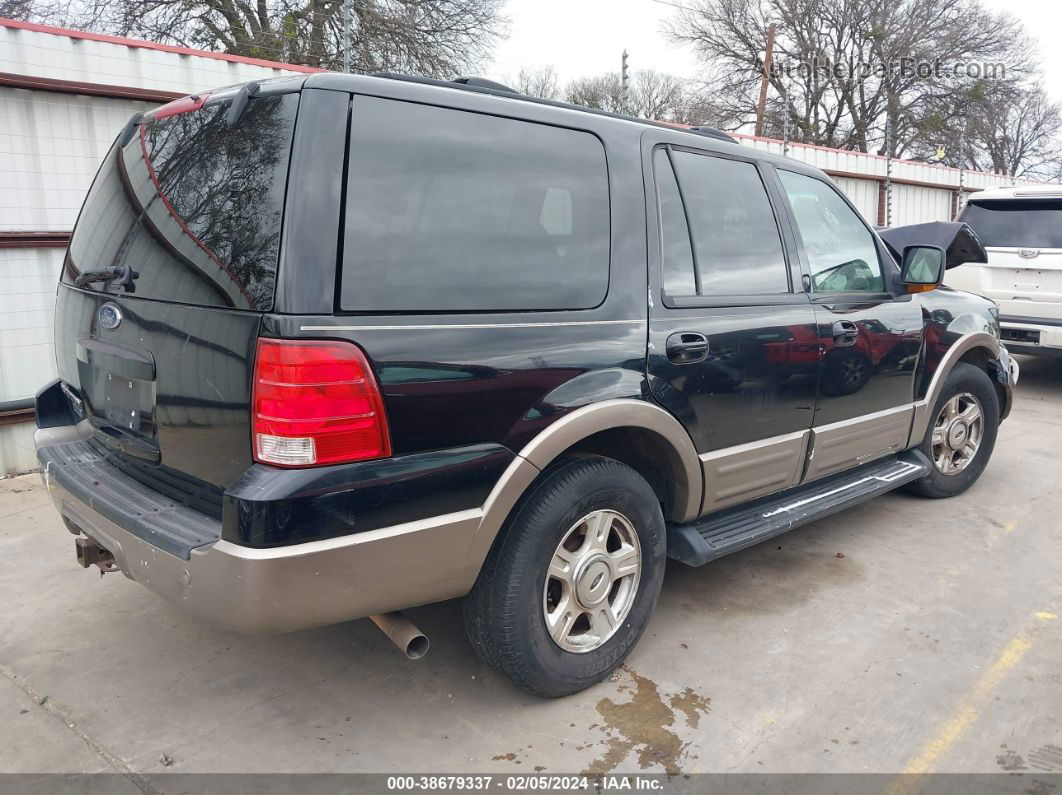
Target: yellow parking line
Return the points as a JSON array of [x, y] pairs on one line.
[[968, 710]]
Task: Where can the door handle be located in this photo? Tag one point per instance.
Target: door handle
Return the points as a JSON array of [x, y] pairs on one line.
[[686, 347], [845, 333]]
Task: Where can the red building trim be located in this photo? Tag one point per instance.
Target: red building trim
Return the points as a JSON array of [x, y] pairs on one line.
[[150, 45], [90, 89], [17, 416], [895, 180], [34, 239]]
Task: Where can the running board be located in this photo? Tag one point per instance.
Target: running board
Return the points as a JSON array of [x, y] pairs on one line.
[[719, 534]]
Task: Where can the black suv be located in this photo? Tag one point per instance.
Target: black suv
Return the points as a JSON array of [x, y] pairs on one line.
[[334, 346]]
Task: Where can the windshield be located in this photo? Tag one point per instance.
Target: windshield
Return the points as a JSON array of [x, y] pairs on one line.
[[189, 210], [1018, 223]]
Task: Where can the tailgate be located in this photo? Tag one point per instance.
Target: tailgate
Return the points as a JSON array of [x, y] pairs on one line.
[[1024, 282], [1023, 238], [170, 268]]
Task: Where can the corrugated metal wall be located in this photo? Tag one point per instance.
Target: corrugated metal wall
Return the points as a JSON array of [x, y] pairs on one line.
[[913, 204], [920, 191], [50, 147], [864, 195], [40, 51], [51, 142]]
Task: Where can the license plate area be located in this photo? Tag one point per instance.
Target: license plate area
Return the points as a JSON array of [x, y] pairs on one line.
[[1028, 336], [118, 386], [125, 403]]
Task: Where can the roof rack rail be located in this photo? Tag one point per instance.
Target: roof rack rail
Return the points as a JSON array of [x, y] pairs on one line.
[[484, 86], [711, 132], [482, 82]]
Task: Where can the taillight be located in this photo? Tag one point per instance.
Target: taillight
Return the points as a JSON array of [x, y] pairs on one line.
[[315, 402]]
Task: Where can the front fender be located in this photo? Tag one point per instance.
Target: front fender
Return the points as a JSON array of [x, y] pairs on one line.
[[965, 343]]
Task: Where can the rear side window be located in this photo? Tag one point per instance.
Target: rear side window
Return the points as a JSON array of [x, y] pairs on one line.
[[1021, 223], [675, 247], [736, 246], [452, 211], [193, 206]]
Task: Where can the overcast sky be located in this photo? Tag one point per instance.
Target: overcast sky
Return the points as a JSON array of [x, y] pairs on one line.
[[586, 37]]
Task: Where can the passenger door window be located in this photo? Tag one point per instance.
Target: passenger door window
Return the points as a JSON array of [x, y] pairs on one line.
[[719, 234], [840, 248]]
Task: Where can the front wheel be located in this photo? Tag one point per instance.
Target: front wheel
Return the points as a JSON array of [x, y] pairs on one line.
[[569, 587], [961, 435]]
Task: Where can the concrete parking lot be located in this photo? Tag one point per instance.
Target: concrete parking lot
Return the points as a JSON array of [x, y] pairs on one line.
[[903, 635]]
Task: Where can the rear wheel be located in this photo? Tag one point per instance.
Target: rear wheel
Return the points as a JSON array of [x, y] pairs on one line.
[[961, 433], [569, 586]]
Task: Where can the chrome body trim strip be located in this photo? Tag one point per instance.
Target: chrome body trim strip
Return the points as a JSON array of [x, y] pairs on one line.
[[441, 326]]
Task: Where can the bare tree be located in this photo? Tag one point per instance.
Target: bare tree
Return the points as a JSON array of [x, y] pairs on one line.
[[654, 95], [603, 92], [64, 13], [541, 82], [432, 37], [650, 95], [1018, 134], [848, 66], [698, 107]]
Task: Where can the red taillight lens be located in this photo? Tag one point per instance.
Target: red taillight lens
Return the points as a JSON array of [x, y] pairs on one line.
[[315, 403]]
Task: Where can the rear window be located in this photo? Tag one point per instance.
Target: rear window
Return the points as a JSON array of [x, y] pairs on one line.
[[193, 206], [1020, 223], [453, 211]]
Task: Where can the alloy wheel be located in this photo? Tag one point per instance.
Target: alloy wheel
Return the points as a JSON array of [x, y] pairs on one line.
[[957, 433], [592, 581]]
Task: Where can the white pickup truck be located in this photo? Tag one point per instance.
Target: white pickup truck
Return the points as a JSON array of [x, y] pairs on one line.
[[1021, 229]]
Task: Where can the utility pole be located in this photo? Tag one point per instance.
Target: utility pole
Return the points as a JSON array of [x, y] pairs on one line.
[[767, 56], [625, 83], [346, 35], [785, 118], [962, 164], [888, 172]]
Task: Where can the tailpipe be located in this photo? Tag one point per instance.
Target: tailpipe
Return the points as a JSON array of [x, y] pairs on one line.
[[401, 632]]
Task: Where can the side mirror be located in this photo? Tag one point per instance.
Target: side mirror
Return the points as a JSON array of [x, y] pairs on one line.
[[922, 268]]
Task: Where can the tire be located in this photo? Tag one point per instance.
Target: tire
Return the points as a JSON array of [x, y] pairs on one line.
[[506, 612], [971, 382]]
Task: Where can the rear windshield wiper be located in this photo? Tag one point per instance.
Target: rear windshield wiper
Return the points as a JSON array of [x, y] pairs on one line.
[[116, 275]]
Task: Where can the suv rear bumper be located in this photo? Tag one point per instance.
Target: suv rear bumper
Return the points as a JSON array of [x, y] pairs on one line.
[[294, 587], [1035, 336], [248, 589]]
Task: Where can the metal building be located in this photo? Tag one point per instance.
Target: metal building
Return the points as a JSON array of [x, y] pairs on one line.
[[920, 191]]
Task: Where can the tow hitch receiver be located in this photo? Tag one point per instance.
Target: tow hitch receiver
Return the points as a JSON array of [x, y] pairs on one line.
[[89, 553]]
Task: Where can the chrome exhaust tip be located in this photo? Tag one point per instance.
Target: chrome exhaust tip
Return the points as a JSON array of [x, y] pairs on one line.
[[403, 633]]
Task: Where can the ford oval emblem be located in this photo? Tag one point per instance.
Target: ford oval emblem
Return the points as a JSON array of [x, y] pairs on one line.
[[109, 316]]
